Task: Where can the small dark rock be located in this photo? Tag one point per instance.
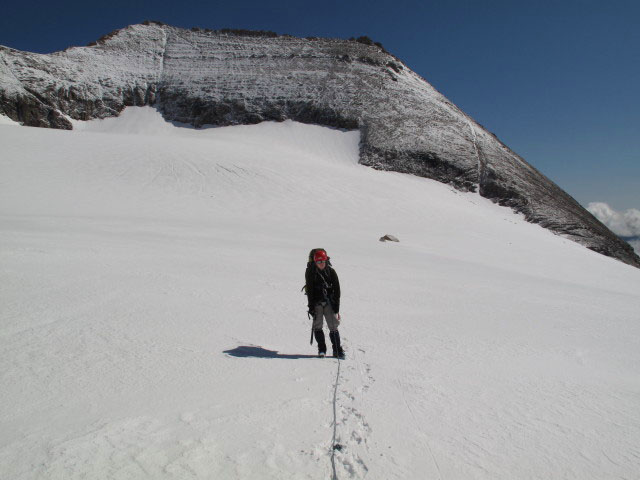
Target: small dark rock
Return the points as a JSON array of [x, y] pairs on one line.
[[389, 238]]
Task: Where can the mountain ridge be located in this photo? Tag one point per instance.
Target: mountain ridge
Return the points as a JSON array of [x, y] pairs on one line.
[[212, 78]]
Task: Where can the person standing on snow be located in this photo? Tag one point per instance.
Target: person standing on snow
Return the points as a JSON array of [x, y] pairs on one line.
[[323, 298]]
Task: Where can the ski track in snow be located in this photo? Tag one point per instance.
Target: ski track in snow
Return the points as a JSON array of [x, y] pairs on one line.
[[152, 324]]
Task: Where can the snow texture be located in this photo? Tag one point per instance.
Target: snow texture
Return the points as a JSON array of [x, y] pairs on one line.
[[153, 325], [203, 77]]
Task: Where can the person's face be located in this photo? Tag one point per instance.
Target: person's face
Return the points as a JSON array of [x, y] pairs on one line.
[[321, 264]]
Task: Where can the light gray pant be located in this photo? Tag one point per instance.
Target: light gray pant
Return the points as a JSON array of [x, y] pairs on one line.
[[324, 310]]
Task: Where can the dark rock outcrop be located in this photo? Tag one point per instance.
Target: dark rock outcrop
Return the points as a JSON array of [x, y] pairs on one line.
[[389, 238], [229, 77]]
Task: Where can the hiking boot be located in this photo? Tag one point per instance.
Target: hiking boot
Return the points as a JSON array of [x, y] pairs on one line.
[[338, 352], [322, 346]]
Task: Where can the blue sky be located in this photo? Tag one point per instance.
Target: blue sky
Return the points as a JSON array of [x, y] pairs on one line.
[[558, 82]]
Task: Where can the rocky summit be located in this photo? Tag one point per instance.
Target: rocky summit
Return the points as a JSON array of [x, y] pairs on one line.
[[203, 77]]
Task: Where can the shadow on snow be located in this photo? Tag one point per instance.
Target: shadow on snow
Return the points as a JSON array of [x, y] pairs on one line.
[[259, 352]]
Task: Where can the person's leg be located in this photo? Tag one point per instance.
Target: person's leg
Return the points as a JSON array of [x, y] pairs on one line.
[[332, 322], [334, 335], [318, 333], [338, 352]]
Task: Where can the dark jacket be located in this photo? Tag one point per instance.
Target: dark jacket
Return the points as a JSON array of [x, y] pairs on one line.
[[322, 285]]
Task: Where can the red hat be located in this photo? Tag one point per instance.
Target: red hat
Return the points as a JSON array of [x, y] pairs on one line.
[[320, 256]]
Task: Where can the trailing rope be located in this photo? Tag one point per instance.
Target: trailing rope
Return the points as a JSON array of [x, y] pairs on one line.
[[335, 446]]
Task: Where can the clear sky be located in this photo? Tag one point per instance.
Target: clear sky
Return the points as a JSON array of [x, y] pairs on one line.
[[557, 81]]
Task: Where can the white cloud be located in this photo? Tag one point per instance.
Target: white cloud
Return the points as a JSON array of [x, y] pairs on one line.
[[636, 245], [624, 224]]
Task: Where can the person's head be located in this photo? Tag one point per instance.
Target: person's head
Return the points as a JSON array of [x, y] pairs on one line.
[[320, 258]]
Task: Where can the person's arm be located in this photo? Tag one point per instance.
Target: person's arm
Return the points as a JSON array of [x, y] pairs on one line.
[[336, 292], [311, 302]]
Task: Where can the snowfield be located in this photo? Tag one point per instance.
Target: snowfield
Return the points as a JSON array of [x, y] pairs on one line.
[[152, 324]]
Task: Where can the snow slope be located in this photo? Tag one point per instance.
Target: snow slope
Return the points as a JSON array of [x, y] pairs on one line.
[[152, 324], [239, 78], [4, 120]]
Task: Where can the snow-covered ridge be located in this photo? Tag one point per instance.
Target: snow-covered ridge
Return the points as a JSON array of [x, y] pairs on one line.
[[203, 78]]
